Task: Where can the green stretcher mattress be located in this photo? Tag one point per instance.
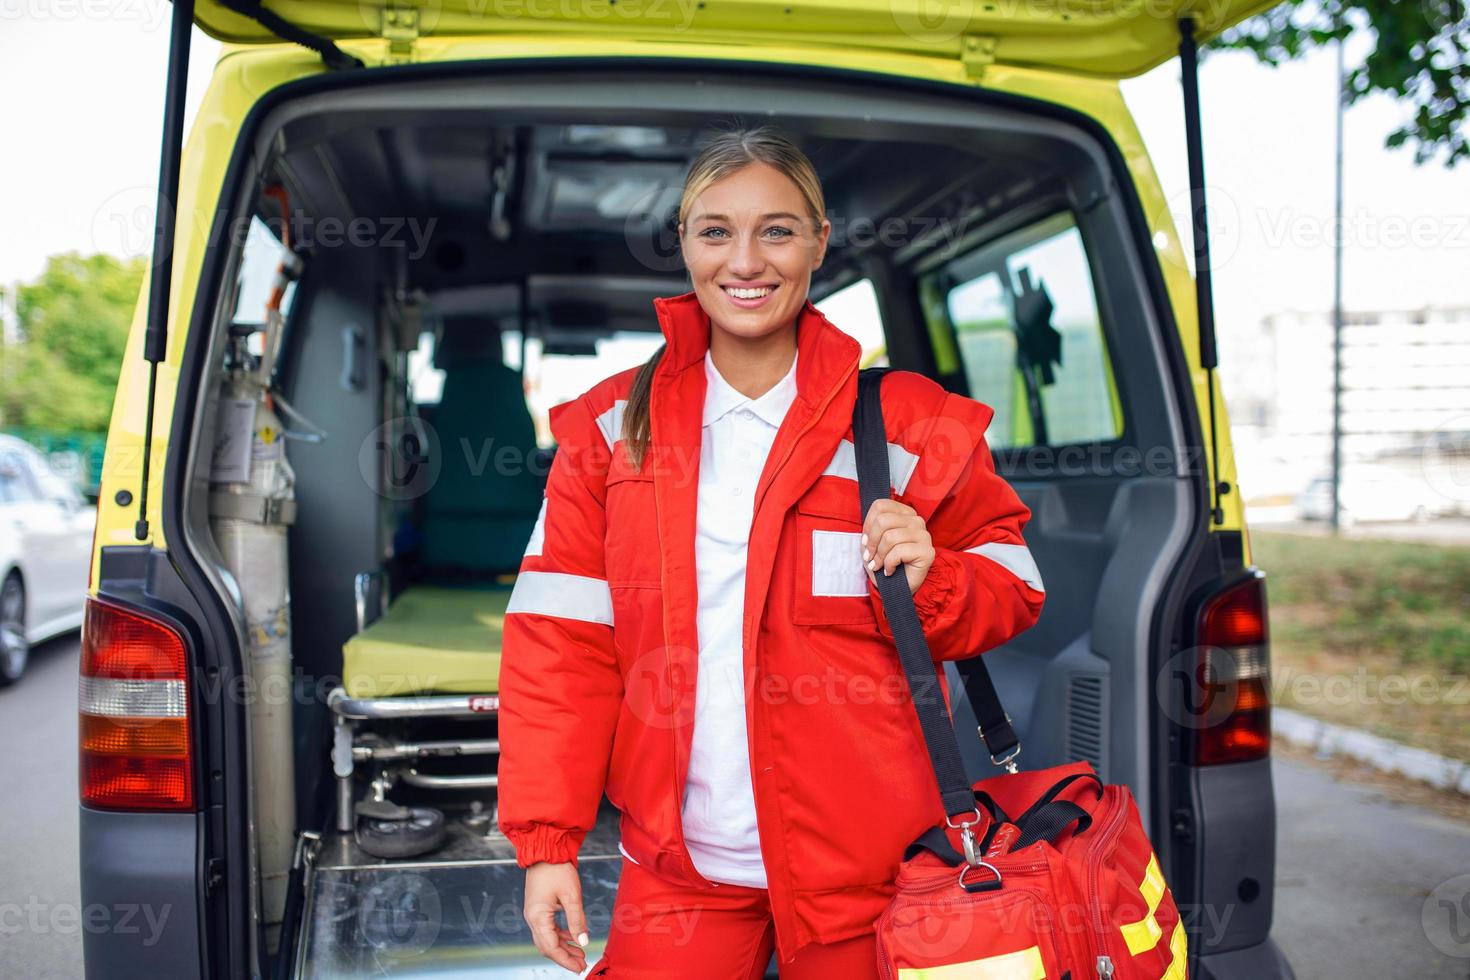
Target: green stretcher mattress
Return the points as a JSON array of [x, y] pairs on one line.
[[431, 639]]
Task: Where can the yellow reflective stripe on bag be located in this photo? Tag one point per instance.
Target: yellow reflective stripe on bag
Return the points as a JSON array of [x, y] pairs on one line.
[[1024, 964], [1145, 934]]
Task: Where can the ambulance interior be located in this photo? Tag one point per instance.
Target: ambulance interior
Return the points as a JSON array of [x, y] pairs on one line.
[[508, 246]]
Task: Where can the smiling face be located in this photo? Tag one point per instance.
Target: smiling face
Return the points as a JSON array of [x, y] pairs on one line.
[[750, 249]]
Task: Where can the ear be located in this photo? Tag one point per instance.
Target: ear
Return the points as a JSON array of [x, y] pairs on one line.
[[822, 236]]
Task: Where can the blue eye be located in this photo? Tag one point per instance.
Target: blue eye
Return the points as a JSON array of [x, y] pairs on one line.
[[785, 232], [711, 231]]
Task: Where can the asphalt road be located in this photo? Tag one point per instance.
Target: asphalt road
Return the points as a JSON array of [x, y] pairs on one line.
[[40, 899], [1367, 886], [1367, 883]]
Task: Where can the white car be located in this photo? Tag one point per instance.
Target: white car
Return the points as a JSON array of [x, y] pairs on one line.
[[45, 545], [1370, 494]]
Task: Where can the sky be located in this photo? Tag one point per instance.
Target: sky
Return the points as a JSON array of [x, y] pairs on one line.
[[83, 87], [1269, 144]]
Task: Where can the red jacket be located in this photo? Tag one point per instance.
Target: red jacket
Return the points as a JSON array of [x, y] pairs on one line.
[[600, 647]]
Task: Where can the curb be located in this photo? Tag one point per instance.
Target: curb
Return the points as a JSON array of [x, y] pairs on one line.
[[1380, 753]]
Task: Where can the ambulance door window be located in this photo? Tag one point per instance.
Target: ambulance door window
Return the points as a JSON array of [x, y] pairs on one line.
[[854, 310], [1022, 314]]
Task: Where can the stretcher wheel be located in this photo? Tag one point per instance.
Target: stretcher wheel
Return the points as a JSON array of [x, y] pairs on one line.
[[421, 831]]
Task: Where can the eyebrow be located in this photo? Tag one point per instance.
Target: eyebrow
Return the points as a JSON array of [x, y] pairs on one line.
[[764, 217]]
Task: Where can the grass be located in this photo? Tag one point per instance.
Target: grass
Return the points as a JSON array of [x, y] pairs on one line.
[[1373, 634]]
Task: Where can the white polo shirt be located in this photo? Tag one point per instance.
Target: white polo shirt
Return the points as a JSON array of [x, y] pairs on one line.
[[719, 802]]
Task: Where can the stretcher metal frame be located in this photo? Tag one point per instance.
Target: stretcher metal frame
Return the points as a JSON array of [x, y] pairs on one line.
[[393, 761]]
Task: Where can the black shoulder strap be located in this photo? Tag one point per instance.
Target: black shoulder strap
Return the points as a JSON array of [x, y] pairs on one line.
[[870, 442]]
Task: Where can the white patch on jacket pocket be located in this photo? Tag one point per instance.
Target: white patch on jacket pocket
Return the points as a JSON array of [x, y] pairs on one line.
[[837, 564]]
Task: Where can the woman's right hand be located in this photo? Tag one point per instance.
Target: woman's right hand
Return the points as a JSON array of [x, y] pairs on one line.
[[550, 887]]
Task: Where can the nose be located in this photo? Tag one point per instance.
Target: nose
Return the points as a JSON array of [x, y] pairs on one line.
[[746, 260]]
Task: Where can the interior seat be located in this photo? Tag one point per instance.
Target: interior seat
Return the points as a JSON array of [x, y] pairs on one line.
[[442, 632], [479, 513]]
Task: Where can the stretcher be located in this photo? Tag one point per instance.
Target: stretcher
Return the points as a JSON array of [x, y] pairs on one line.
[[432, 639], [433, 654]]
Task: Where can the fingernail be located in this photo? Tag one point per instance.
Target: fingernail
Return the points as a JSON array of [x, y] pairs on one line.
[[872, 566], [582, 939], [866, 553]]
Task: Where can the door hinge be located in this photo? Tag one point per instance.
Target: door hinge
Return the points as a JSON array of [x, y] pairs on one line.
[[214, 875], [1181, 824], [977, 51], [400, 28]]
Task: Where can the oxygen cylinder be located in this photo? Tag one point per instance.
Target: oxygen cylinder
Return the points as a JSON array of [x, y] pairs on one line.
[[252, 502]]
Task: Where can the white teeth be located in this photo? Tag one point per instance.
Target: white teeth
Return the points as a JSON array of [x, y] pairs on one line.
[[748, 293]]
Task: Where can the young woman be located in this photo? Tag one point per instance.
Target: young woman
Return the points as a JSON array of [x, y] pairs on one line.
[[696, 629]]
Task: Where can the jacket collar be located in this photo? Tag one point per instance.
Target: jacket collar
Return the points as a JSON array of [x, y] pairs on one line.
[[720, 398]]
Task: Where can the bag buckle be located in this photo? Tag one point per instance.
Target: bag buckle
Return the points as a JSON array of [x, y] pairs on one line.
[[967, 836], [981, 886], [1009, 761], [973, 860]]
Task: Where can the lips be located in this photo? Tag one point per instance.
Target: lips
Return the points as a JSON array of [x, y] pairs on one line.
[[749, 297]]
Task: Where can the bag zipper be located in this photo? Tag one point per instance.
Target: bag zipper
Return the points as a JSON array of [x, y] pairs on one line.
[[885, 970], [943, 880], [1104, 961]]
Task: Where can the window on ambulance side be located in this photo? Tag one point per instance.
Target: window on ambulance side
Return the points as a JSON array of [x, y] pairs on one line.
[[259, 262], [559, 372], [854, 310], [551, 374], [1017, 321]]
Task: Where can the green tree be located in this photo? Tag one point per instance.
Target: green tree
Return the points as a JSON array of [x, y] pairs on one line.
[[74, 320], [1418, 56]]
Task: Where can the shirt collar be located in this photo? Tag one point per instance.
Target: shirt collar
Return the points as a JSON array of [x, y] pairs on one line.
[[720, 397]]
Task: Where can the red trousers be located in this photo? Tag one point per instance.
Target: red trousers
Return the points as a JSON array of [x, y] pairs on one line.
[[662, 930]]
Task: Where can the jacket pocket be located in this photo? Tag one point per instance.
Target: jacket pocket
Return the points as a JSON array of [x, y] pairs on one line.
[[632, 551], [831, 581]]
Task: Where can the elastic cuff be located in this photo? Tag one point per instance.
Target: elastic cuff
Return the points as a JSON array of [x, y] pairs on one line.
[[544, 842], [934, 593], [929, 601]]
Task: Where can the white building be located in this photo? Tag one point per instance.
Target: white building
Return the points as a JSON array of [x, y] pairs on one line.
[[1405, 401]]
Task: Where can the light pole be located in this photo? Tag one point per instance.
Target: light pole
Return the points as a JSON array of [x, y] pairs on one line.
[[1337, 299]]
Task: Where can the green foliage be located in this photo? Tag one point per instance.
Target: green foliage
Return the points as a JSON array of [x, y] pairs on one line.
[[1419, 57], [74, 319]]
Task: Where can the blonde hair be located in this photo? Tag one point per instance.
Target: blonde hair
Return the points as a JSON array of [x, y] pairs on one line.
[[721, 155]]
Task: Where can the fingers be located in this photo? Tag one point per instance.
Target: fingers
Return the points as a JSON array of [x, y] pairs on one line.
[[571, 901], [892, 534], [915, 554], [552, 942], [564, 947], [546, 935], [881, 516]]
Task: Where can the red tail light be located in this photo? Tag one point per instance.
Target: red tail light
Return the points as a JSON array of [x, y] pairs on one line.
[[136, 753], [1235, 661]]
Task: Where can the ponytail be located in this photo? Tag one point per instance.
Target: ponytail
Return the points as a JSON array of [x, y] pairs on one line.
[[635, 413]]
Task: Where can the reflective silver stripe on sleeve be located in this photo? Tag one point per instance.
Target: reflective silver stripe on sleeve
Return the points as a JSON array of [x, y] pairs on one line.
[[564, 596], [901, 464], [611, 422], [538, 533], [1014, 558]]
